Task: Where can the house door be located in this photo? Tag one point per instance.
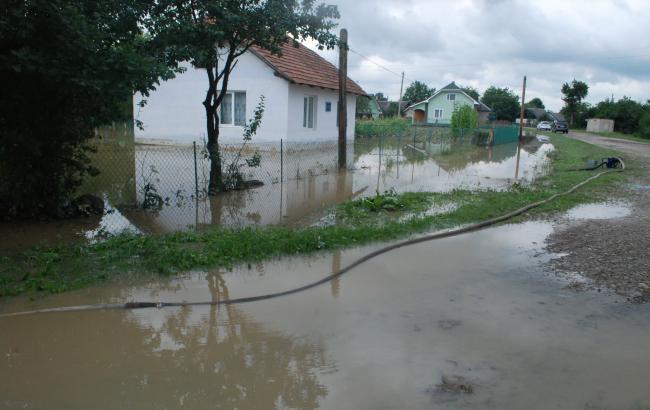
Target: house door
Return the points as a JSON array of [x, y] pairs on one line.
[[418, 116]]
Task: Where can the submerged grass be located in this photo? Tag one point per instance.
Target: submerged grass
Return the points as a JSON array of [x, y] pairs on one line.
[[361, 221]]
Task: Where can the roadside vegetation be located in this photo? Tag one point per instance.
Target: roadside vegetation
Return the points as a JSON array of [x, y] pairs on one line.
[[382, 127], [387, 216]]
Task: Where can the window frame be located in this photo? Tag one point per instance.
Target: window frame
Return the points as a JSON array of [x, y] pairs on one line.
[[233, 98], [309, 112], [438, 113], [451, 96]]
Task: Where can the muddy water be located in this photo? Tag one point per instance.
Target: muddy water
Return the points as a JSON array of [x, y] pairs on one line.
[[297, 202], [480, 306], [606, 210]]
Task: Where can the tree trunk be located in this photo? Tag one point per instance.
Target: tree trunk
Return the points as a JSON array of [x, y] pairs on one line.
[[216, 177]]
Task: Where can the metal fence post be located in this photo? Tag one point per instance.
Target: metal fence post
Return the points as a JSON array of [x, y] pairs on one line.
[[281, 161], [196, 190], [196, 174], [413, 138]]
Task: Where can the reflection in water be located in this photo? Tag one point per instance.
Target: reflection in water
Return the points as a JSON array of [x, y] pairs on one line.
[[483, 306], [191, 358], [300, 200]]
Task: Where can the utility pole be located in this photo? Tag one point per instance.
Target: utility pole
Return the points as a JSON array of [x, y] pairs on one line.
[[343, 102], [521, 118], [401, 89]]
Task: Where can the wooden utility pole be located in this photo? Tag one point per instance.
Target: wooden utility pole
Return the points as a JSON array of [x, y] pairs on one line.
[[401, 94], [523, 109], [343, 101]]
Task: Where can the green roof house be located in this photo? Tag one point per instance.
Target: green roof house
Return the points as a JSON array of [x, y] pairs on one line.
[[438, 108]]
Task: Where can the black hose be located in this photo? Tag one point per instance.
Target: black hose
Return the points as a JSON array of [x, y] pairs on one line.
[[334, 275]]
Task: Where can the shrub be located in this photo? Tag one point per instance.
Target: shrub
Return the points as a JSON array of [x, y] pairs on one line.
[[644, 126], [383, 127]]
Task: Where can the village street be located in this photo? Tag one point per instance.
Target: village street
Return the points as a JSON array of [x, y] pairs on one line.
[[613, 252]]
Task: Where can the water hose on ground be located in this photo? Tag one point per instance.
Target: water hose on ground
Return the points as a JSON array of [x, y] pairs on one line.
[[334, 275]]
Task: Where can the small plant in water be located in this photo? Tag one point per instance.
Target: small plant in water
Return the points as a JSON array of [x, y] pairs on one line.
[[234, 176], [388, 201]]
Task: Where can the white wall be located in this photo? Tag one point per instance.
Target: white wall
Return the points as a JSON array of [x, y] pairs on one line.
[[325, 124], [175, 110]]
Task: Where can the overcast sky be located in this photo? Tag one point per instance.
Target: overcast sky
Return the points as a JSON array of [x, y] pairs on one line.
[[496, 42]]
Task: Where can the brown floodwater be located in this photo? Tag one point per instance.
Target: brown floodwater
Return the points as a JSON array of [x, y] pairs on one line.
[[484, 307], [304, 197]]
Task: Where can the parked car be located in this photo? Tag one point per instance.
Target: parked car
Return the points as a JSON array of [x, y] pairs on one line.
[[544, 126], [560, 126]]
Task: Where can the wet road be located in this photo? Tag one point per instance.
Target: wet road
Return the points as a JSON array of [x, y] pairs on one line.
[[633, 148], [482, 306]]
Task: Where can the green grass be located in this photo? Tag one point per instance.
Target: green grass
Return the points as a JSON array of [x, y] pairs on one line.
[[615, 134], [385, 217], [620, 135]]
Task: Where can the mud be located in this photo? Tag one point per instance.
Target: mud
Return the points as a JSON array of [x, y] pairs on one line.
[[483, 308], [609, 243]]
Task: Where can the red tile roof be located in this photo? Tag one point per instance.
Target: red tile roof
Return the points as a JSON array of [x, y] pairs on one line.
[[300, 65]]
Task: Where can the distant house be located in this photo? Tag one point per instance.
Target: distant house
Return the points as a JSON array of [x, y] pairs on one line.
[[371, 111], [301, 100], [387, 107], [438, 108]]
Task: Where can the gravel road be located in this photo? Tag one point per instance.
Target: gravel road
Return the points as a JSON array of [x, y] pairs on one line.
[[613, 252]]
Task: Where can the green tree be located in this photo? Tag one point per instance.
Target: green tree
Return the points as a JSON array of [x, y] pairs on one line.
[[535, 103], [503, 101], [380, 97], [363, 105], [213, 34], [67, 67], [644, 125], [417, 91], [625, 112], [472, 92], [464, 117], [574, 93]]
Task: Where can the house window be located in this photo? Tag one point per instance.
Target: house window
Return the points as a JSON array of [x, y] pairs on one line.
[[328, 107], [309, 112], [233, 109], [437, 114], [451, 97]]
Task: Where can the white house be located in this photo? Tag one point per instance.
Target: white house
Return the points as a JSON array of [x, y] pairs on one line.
[[301, 99]]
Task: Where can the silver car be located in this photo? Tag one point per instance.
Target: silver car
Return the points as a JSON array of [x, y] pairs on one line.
[[544, 126]]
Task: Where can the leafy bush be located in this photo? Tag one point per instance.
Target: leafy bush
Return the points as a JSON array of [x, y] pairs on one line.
[[384, 127], [644, 126], [464, 117]]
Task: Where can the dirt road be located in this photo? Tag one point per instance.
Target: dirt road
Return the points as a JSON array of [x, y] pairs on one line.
[[614, 253]]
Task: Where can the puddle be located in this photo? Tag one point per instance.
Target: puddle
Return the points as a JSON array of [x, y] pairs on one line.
[[607, 210], [481, 309]]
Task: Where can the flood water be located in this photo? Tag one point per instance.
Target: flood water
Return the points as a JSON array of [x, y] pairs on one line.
[[301, 197], [483, 306]]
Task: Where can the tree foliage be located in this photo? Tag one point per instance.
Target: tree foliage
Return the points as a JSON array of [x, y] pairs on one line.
[[574, 93], [503, 101], [472, 92], [417, 91], [213, 34], [67, 67], [464, 117], [625, 112], [644, 125], [535, 103], [380, 97]]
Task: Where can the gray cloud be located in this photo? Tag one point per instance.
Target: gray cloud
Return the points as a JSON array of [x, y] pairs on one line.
[[497, 42]]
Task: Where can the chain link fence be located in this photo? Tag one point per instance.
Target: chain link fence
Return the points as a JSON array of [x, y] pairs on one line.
[[155, 188]]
